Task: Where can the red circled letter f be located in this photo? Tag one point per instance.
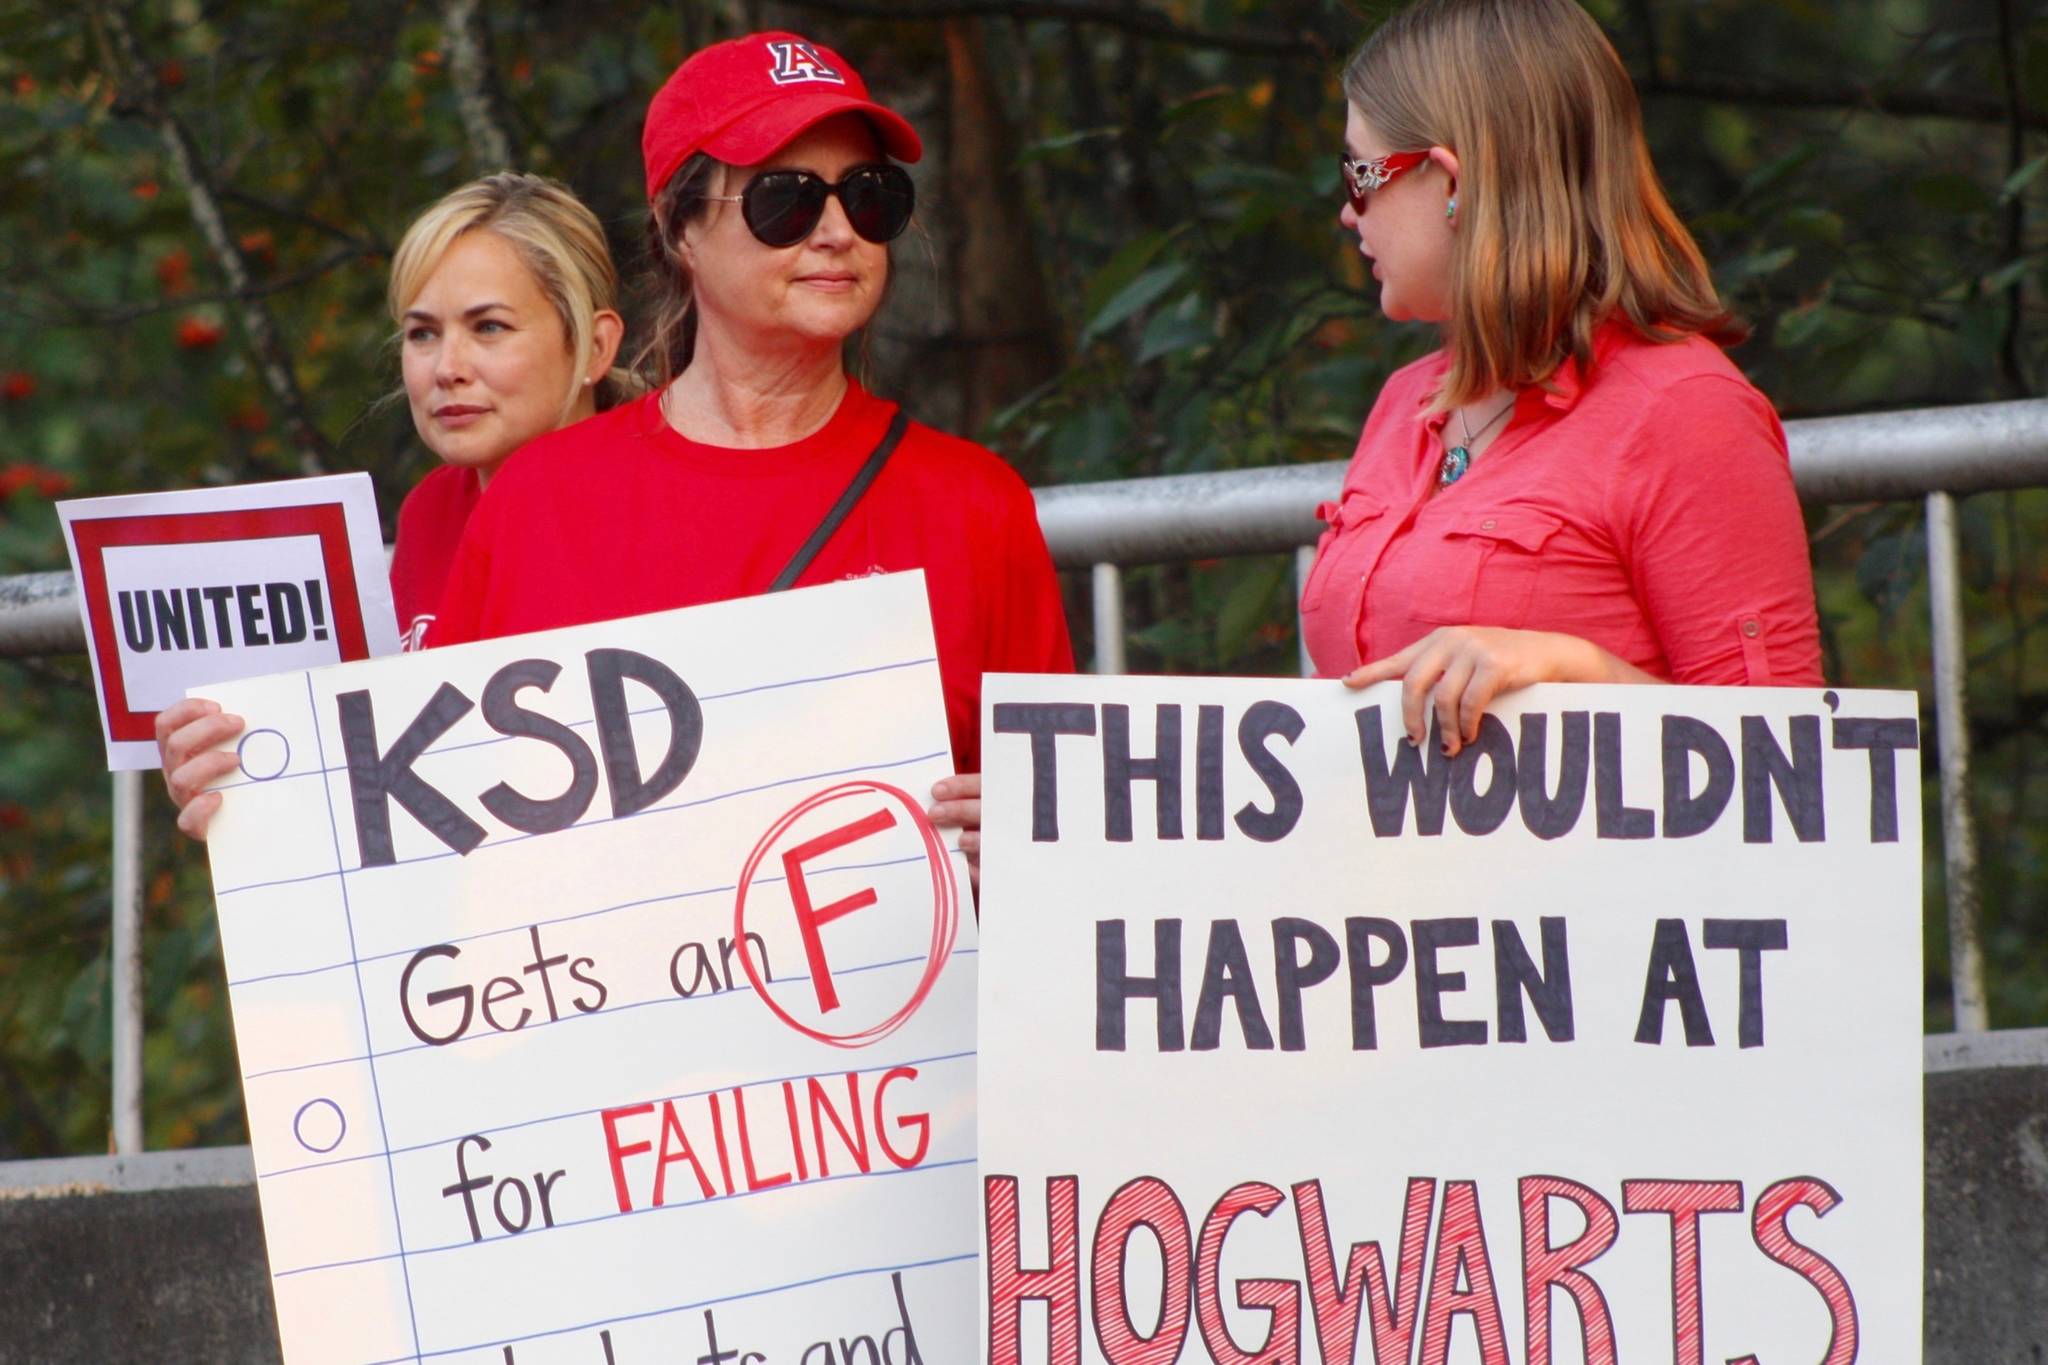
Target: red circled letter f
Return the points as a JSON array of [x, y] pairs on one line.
[[810, 918]]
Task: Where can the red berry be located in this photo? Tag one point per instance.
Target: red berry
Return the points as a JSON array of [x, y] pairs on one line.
[[174, 271], [199, 334]]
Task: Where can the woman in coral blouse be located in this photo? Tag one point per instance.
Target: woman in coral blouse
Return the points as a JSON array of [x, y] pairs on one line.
[[1578, 486]]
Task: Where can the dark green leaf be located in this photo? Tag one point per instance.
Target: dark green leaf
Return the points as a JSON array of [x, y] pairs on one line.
[[2017, 182], [1177, 329], [1133, 299]]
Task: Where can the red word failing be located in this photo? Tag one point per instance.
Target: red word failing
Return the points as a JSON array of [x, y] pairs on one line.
[[752, 1138], [1443, 1270]]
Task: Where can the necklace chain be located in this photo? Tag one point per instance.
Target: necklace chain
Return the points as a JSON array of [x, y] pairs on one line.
[[1458, 458], [1466, 425]]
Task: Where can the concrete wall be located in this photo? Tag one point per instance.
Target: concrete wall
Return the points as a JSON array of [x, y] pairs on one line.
[[1987, 1200], [159, 1259]]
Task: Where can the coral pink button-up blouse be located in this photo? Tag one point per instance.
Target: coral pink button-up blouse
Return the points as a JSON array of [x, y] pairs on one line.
[[1645, 504]]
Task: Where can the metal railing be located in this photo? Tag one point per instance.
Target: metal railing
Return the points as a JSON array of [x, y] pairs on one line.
[[1931, 454], [1928, 454]]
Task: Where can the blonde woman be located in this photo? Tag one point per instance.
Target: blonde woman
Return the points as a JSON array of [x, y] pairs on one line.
[[1578, 486], [503, 296]]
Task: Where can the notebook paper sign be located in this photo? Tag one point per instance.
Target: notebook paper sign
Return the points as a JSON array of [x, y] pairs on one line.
[[1598, 1043], [603, 995], [188, 588]]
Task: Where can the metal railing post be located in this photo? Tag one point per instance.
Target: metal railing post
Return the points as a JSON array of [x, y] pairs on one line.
[[1952, 726], [1106, 585], [1304, 559], [126, 974]]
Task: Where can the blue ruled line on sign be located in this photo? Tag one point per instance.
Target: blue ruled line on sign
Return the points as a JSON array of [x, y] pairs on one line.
[[503, 1342], [854, 770], [816, 872], [363, 1004], [586, 1113], [581, 724], [734, 991], [534, 1234]]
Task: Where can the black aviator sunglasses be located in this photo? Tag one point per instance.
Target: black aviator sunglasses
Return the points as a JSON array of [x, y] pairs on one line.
[[782, 207]]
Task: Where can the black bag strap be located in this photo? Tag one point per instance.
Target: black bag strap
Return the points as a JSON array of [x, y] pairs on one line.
[[808, 551]]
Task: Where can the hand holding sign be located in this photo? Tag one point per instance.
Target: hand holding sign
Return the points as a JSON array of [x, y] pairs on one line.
[[956, 804], [1454, 673], [189, 734]]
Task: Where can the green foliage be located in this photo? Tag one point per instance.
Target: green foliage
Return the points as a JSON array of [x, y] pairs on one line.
[[1211, 312]]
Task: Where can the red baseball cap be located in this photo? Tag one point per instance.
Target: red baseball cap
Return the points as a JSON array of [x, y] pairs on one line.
[[742, 99]]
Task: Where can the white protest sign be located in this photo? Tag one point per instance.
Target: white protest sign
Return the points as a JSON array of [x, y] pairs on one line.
[[602, 995], [183, 589], [1598, 1043]]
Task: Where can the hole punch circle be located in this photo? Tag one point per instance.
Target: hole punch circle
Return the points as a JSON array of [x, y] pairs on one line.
[[319, 1124], [264, 754]]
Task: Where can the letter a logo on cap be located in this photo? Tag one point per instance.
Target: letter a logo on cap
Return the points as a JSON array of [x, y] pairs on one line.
[[797, 61]]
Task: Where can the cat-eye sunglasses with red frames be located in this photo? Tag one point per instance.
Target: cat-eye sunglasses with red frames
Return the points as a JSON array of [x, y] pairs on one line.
[[1362, 177]]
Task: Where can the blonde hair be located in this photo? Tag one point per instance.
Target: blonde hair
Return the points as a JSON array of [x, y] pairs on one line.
[[1561, 222], [557, 238]]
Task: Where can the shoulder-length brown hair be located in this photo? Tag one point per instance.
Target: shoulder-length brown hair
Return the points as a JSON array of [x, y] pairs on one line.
[[1561, 222], [672, 286]]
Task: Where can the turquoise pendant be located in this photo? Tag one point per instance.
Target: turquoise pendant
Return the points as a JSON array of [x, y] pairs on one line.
[[1456, 461]]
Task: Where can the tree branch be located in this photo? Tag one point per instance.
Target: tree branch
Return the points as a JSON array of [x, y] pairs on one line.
[[77, 313], [144, 95], [469, 65], [1143, 22], [1945, 104], [2012, 360], [1308, 46], [2012, 58], [367, 246]]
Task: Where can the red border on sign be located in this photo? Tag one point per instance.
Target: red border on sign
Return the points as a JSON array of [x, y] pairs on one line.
[[327, 521], [945, 911]]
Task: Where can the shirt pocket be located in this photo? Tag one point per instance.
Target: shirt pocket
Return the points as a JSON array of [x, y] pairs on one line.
[[1347, 517], [1489, 567]]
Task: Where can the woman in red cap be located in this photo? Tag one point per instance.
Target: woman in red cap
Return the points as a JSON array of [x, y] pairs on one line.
[[774, 191]]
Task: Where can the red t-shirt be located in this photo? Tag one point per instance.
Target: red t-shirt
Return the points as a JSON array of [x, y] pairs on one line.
[[1647, 507], [430, 524], [620, 515]]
